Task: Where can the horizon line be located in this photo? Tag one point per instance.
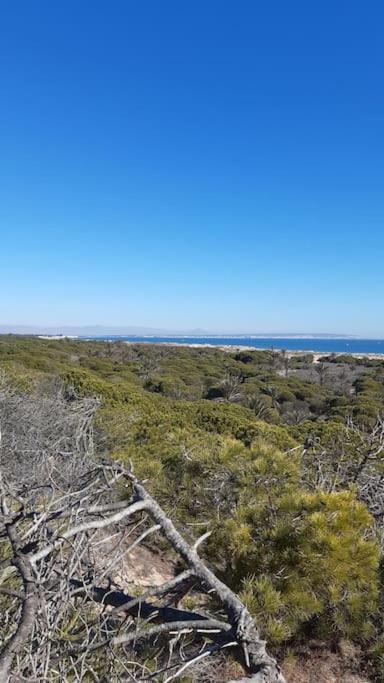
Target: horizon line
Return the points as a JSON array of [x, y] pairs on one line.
[[146, 331]]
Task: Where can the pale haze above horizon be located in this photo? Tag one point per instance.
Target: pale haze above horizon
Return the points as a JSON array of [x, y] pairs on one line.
[[177, 166]]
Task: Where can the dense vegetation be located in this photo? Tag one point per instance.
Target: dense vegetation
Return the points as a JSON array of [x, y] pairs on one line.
[[281, 457]]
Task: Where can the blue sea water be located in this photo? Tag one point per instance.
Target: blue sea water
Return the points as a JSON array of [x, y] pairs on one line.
[[321, 345]]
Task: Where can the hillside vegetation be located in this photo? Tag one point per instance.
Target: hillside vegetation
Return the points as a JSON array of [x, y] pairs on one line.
[[281, 458]]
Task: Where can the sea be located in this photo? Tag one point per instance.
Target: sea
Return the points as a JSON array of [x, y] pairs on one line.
[[315, 344]]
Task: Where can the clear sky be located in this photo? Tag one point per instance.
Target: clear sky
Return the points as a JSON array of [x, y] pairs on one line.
[[185, 164]]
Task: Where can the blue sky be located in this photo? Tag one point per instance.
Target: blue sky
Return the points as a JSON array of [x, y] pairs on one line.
[[193, 164]]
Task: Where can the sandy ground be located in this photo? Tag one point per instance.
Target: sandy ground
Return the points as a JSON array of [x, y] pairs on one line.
[[323, 666]]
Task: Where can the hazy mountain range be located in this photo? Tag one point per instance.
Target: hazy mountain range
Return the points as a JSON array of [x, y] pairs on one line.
[[102, 331]]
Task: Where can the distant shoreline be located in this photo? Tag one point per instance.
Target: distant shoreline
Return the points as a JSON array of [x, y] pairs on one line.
[[316, 346], [290, 353]]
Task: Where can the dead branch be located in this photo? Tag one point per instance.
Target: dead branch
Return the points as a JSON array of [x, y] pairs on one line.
[[68, 539], [68, 616]]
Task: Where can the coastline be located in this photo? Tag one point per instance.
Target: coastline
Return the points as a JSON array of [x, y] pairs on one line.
[[290, 353], [317, 355]]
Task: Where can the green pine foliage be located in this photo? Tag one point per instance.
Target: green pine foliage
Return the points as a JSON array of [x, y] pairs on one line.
[[219, 437]]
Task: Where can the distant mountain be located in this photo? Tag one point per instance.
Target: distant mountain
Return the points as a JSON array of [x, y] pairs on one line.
[[95, 330], [104, 330]]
